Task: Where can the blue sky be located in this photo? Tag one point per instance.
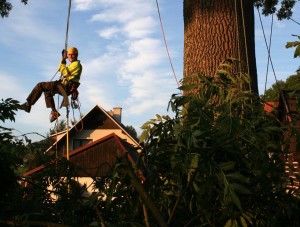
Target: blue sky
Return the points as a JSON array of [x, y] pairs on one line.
[[122, 51]]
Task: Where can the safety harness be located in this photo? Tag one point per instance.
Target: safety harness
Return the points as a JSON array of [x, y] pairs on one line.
[[72, 89]]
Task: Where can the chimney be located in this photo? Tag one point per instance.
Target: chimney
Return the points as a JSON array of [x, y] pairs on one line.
[[117, 113]]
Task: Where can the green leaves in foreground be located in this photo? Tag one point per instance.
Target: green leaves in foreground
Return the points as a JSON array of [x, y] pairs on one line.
[[217, 162], [294, 44], [7, 109]]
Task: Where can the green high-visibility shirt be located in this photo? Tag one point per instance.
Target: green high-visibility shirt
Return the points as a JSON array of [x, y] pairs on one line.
[[71, 72]]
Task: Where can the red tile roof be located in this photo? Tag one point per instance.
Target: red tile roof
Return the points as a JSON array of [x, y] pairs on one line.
[[270, 106]]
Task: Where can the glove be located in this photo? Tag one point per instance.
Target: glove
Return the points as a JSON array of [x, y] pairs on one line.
[[64, 54]]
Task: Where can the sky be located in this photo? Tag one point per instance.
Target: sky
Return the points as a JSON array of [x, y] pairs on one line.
[[122, 50]]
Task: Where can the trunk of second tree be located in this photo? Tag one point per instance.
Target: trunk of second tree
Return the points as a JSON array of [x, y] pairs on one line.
[[215, 30]]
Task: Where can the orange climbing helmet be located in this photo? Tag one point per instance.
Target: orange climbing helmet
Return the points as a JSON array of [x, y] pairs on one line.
[[73, 50]]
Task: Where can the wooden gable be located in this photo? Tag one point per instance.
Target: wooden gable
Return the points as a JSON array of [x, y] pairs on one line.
[[94, 125], [96, 159]]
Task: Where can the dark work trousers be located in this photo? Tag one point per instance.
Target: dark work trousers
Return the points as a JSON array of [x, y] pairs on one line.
[[50, 89]]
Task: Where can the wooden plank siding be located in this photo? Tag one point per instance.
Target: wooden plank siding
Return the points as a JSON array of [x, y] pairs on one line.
[[96, 160], [96, 120], [288, 114]]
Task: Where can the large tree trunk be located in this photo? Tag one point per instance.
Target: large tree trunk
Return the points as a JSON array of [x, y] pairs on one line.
[[215, 30]]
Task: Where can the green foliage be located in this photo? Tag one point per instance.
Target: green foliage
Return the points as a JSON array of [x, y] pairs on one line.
[[58, 197], [11, 152], [294, 44], [132, 131], [272, 94], [24, 205], [59, 127], [119, 204], [6, 7], [270, 7], [218, 161], [65, 202], [7, 109], [292, 83]]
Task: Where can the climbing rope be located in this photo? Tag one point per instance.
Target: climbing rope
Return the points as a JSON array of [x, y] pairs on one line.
[[236, 8], [269, 54], [294, 21], [268, 49], [271, 62], [75, 104], [56, 131], [166, 45], [245, 37], [67, 33], [67, 108], [68, 22], [237, 32]]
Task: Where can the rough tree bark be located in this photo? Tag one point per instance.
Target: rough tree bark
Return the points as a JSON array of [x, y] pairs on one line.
[[215, 30]]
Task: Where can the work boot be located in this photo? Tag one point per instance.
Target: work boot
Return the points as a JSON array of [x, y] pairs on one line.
[[53, 116], [25, 106]]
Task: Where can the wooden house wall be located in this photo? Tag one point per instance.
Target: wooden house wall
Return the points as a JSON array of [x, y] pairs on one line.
[[97, 160], [291, 117]]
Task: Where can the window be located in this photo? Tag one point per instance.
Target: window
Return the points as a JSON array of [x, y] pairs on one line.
[[80, 142]]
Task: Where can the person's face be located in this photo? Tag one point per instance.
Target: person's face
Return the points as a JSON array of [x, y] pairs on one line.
[[72, 57]]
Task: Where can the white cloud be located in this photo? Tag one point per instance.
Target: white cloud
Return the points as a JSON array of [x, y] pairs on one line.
[[115, 10], [99, 79], [113, 16], [83, 5], [140, 27], [147, 93], [108, 33], [133, 65], [143, 55]]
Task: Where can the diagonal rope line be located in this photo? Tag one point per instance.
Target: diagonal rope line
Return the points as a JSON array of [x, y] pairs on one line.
[[270, 44], [269, 56], [294, 21], [166, 45], [268, 49]]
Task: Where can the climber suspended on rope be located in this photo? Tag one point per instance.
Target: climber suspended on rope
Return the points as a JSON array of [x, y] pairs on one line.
[[65, 86]]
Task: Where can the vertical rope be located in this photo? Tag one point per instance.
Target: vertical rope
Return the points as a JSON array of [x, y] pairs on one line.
[[67, 108], [56, 130], [68, 152], [245, 37], [68, 21], [237, 32]]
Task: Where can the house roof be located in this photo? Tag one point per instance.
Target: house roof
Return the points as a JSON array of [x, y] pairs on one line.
[[270, 106], [89, 117], [86, 156]]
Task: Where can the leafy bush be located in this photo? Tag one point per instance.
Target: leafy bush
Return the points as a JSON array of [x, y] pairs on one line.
[[219, 160]]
